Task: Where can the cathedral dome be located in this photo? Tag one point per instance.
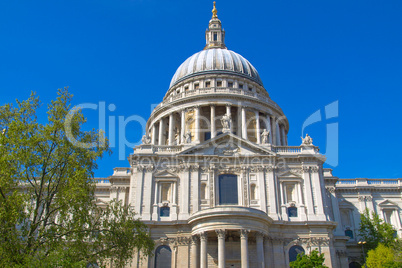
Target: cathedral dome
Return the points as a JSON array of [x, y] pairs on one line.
[[216, 60]]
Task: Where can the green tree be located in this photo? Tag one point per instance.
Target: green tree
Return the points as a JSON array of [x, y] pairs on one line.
[[374, 230], [48, 215], [383, 257], [313, 260]]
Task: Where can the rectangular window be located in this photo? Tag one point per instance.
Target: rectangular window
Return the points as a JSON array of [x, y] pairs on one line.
[[230, 84], [207, 84], [228, 194], [250, 89], [165, 192], [241, 86], [387, 216], [196, 86], [218, 83], [207, 136], [215, 37]]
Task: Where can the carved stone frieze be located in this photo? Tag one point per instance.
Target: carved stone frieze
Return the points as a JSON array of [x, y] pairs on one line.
[[183, 240]]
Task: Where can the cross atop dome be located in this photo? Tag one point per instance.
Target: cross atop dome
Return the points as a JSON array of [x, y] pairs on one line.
[[215, 35]]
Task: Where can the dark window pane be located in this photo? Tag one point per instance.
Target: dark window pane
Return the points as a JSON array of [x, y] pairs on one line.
[[294, 251], [292, 212], [207, 135], [164, 211], [163, 257], [228, 189], [349, 233]]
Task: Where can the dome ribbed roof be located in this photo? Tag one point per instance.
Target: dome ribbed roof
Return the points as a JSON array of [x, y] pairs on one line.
[[216, 60]]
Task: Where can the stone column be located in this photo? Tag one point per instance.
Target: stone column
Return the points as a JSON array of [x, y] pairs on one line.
[[244, 247], [203, 250], [154, 134], [183, 126], [213, 123], [171, 129], [317, 187], [278, 134], [335, 210], [283, 135], [272, 193], [308, 194], [194, 251], [155, 215], [228, 112], [284, 213], [269, 129], [257, 127], [197, 124], [161, 131], [260, 249], [221, 247], [243, 123]]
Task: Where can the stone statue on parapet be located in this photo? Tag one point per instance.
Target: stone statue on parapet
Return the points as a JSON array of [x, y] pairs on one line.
[[187, 137], [265, 136], [226, 121], [307, 140], [146, 139]]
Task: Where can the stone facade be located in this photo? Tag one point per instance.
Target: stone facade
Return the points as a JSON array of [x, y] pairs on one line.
[[219, 186]]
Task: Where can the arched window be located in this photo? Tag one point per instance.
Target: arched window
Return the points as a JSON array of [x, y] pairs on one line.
[[349, 233], [163, 257], [228, 194], [294, 251], [354, 264], [253, 192]]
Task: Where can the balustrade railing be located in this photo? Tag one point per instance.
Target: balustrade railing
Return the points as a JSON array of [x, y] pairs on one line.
[[288, 149], [373, 182], [217, 90]]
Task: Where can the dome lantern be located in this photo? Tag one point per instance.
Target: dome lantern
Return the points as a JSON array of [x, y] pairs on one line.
[[215, 35]]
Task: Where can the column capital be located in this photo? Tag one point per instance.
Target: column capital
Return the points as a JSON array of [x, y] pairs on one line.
[[244, 233], [203, 236], [221, 233], [259, 235], [194, 239]]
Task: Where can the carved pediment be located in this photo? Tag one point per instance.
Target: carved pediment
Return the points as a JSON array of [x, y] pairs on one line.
[[228, 144], [165, 174], [291, 173], [345, 204], [388, 204]]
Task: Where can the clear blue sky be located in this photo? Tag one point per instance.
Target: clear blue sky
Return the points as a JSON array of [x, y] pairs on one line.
[[309, 53]]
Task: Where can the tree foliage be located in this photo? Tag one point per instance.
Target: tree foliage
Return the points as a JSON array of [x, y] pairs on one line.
[[383, 257], [374, 230], [313, 260], [48, 215]]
